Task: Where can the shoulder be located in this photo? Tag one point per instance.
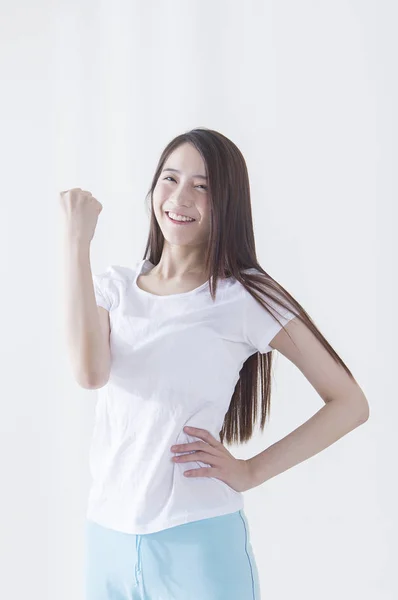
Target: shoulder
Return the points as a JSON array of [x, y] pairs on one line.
[[115, 273], [111, 285], [113, 278], [276, 297]]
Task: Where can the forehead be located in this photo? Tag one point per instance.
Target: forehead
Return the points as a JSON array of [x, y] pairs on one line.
[[186, 158]]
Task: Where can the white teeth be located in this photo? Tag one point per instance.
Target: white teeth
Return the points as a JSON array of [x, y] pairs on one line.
[[179, 218]]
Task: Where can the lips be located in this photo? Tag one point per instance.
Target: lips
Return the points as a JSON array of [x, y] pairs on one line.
[[182, 222]]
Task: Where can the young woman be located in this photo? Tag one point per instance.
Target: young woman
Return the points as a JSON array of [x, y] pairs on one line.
[[180, 348]]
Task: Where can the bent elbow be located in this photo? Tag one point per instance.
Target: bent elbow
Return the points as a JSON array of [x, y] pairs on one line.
[[364, 412], [92, 383], [96, 384]]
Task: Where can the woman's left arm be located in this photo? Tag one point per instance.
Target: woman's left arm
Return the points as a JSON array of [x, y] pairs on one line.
[[346, 406]]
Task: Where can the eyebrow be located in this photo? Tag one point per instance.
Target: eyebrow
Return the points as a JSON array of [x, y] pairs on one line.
[[179, 172]]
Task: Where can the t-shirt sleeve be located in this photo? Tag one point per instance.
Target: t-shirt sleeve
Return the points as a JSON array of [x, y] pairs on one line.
[[111, 285], [259, 326], [103, 289]]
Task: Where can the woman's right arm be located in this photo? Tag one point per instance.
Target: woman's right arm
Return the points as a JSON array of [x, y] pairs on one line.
[[87, 324]]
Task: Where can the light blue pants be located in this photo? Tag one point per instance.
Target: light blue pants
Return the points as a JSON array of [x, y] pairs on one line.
[[209, 559]]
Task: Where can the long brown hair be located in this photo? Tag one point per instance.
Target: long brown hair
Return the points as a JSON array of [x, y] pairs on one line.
[[231, 252]]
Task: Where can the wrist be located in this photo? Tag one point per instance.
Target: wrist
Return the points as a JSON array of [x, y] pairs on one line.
[[76, 241], [256, 473]]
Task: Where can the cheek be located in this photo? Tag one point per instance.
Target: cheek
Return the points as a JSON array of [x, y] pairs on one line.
[[204, 209], [158, 200]]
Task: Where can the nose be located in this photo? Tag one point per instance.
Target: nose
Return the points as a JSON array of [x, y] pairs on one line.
[[179, 201]]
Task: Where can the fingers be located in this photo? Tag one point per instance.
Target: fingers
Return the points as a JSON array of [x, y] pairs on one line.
[[194, 446], [202, 472], [204, 457], [203, 434], [189, 446]]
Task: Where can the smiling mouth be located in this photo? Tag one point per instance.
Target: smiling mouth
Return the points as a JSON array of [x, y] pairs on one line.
[[180, 222]]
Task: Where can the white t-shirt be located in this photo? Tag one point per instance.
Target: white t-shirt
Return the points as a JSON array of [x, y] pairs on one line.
[[175, 362]]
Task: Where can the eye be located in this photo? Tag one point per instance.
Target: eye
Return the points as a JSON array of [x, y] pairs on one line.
[[170, 177]]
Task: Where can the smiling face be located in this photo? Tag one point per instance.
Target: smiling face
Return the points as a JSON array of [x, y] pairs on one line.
[[183, 193]]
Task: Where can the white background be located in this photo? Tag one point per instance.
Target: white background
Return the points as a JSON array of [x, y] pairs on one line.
[[91, 92]]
